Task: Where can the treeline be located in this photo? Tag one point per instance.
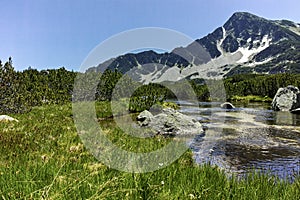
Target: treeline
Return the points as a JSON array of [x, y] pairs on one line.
[[258, 84], [263, 85], [20, 91]]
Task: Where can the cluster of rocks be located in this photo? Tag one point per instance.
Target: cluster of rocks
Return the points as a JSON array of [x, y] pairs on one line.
[[287, 99], [170, 122]]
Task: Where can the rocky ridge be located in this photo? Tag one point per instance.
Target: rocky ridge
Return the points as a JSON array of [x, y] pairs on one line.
[[246, 43]]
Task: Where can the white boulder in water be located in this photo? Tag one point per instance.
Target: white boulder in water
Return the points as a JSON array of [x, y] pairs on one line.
[[286, 99], [227, 105]]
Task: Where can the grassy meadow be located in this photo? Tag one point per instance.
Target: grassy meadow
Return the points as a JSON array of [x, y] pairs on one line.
[[251, 98], [42, 157]]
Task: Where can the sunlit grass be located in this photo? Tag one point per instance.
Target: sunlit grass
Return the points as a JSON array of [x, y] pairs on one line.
[[41, 156], [251, 98]]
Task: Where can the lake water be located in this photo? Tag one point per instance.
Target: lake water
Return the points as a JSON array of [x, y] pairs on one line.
[[250, 137]]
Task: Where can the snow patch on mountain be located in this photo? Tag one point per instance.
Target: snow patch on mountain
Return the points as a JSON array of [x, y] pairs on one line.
[[253, 64], [292, 26], [220, 42], [215, 67], [249, 53], [209, 69], [295, 29], [149, 77], [171, 74]]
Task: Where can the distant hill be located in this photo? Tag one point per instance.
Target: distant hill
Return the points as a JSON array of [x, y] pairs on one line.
[[246, 43]]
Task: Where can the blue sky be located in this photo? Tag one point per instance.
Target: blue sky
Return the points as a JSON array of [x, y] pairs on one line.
[[54, 33]]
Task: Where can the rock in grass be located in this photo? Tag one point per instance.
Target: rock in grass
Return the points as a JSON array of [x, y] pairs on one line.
[[227, 105], [6, 118], [286, 99], [170, 123]]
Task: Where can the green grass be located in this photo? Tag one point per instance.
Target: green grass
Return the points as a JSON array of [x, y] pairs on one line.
[[251, 98], [42, 157]]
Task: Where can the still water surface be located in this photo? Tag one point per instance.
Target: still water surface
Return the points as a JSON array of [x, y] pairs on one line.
[[250, 137]]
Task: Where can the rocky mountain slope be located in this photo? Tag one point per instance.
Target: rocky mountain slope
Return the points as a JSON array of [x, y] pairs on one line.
[[246, 43]]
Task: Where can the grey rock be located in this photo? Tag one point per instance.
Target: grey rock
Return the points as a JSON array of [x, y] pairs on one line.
[[144, 118], [227, 105], [170, 122], [286, 99]]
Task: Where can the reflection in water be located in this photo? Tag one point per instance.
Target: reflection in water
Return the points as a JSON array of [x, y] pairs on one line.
[[249, 137], [286, 118]]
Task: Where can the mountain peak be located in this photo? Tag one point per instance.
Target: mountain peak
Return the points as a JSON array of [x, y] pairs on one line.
[[246, 43], [242, 16]]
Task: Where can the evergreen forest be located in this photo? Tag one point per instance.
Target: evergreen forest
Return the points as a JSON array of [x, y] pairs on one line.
[[23, 90]]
